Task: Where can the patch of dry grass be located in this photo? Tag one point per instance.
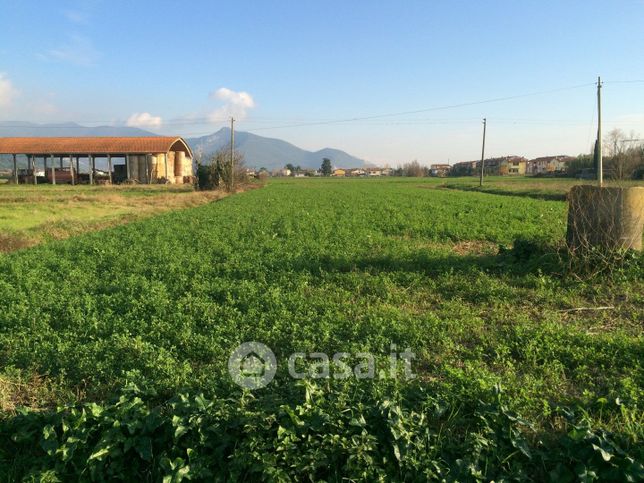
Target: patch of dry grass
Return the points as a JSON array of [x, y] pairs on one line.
[[32, 392], [30, 215], [475, 247]]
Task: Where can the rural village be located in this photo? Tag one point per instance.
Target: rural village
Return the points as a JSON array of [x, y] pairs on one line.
[[64, 167]]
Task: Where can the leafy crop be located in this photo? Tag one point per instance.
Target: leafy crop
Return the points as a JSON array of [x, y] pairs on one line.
[[312, 437], [128, 332]]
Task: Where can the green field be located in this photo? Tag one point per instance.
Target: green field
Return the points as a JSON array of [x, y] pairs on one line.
[[33, 214], [554, 189], [523, 372]]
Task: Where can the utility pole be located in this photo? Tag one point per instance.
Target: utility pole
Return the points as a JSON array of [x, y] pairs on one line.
[[232, 152], [483, 153], [600, 167]]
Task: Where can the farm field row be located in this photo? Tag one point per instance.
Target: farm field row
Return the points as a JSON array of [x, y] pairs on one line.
[[534, 187], [33, 214], [149, 312]]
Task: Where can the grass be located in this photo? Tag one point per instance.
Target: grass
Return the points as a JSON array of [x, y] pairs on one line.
[[152, 309], [539, 188], [32, 214]]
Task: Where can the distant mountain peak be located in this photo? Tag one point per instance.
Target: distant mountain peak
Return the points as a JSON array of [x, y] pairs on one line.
[[271, 153]]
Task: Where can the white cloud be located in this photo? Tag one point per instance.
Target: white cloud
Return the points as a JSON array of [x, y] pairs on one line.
[[78, 50], [77, 16], [7, 91], [236, 104], [33, 105], [144, 119]]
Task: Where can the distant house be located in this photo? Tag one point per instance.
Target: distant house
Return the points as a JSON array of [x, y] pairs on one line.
[[548, 165], [506, 165], [512, 165], [465, 168], [339, 172], [439, 170], [356, 172], [374, 172], [278, 172]]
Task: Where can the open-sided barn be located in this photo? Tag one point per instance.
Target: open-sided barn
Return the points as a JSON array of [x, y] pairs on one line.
[[134, 159]]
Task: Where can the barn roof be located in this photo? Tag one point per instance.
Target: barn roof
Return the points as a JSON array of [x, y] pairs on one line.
[[93, 145]]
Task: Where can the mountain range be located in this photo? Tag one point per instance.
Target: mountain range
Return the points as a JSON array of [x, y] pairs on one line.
[[67, 129], [271, 153], [258, 151]]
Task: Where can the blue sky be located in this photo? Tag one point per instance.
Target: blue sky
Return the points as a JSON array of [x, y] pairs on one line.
[[287, 68]]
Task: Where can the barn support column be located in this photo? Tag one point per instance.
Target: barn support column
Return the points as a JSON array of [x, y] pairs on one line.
[[15, 169], [44, 162], [71, 168], [153, 164], [147, 169], [53, 169], [127, 166], [91, 169], [109, 166], [32, 165], [165, 161]]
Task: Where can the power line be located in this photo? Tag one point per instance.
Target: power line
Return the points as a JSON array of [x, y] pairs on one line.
[[401, 122], [201, 120], [416, 111], [635, 81], [377, 118]]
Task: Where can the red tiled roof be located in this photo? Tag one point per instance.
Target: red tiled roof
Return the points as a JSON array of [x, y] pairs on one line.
[[93, 145]]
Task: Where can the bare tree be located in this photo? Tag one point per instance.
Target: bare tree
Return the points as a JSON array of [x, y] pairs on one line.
[[236, 172], [198, 155], [623, 159], [218, 172], [613, 142], [413, 169]]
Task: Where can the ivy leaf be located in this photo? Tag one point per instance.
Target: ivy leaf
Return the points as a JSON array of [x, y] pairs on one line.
[[144, 448], [98, 455], [49, 441], [606, 456], [397, 452], [180, 431]]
